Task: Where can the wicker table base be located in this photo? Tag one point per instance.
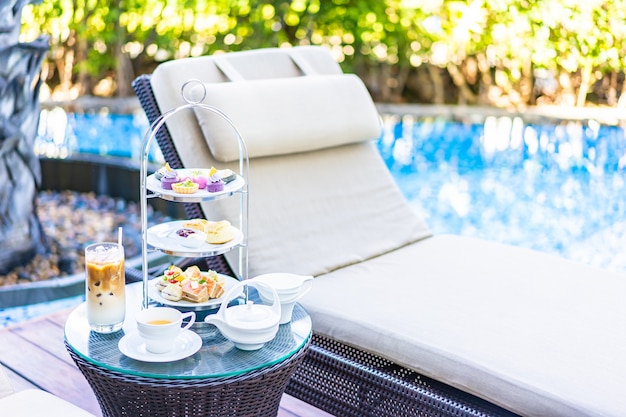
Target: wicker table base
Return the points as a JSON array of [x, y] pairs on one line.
[[256, 393]]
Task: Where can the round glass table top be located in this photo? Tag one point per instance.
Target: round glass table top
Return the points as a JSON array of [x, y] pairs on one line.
[[217, 356]]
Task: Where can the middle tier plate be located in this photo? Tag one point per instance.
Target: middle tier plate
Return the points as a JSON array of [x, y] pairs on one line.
[[161, 237]]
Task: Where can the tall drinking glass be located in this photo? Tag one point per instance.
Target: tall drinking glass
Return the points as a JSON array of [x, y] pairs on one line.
[[106, 303]]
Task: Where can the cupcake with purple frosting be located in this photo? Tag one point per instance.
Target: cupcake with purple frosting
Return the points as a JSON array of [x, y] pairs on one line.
[[215, 183], [169, 178]]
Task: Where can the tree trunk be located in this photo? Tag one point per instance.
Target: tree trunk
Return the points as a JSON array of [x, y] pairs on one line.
[[465, 93], [21, 234], [585, 83]]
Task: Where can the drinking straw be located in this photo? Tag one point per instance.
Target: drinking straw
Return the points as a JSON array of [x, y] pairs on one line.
[[119, 236]]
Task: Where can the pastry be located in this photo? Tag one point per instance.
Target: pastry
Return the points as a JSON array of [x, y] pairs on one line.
[[226, 175], [200, 179], [185, 187], [219, 232], [172, 292], [197, 224], [195, 292], [162, 283], [193, 272], [214, 285], [161, 172], [169, 178], [173, 273], [215, 183]]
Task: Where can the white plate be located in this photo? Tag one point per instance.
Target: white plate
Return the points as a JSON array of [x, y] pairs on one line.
[[185, 345], [162, 237], [154, 185], [155, 294]]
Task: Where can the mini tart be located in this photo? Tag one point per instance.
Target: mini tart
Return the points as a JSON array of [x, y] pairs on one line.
[[185, 187]]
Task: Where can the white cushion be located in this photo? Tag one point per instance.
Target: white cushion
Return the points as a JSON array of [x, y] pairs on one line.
[[169, 77], [302, 221], [287, 115], [534, 333], [33, 403], [5, 385]]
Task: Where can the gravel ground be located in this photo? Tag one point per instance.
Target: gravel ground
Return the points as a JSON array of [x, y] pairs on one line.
[[72, 220]]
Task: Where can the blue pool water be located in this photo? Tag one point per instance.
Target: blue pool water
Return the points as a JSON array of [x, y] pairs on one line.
[[559, 188], [121, 135]]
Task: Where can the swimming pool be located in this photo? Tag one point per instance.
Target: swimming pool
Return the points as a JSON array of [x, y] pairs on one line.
[[559, 188]]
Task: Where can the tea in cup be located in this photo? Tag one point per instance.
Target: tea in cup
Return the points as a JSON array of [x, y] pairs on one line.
[[104, 285], [159, 327]]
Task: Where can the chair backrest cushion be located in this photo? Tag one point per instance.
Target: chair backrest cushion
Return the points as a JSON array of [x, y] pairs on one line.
[[312, 209], [337, 110]]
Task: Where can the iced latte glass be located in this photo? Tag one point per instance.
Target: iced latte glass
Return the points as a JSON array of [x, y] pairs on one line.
[[106, 303]]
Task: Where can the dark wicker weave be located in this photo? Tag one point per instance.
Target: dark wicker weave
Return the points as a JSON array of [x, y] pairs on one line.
[[256, 393], [337, 378]]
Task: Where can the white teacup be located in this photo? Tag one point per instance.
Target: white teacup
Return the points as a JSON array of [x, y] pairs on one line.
[[159, 327]]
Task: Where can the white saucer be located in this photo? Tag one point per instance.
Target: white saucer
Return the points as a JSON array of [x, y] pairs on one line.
[[186, 344]]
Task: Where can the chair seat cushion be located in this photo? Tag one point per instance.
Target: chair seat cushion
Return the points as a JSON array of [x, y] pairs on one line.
[[32, 402], [301, 222], [531, 332]]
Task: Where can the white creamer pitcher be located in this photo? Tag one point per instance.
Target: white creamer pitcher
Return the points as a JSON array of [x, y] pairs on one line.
[[289, 287]]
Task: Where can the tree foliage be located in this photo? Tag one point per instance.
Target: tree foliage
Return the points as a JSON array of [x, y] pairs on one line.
[[497, 52]]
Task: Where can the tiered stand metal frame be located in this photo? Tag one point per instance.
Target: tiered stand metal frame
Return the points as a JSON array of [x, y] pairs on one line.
[[193, 210]]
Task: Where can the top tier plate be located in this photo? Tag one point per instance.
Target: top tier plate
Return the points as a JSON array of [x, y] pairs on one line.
[[154, 185]]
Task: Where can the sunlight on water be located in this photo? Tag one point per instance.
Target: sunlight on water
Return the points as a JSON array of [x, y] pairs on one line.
[[558, 188]]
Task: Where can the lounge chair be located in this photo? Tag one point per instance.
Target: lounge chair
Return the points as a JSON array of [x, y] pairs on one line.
[[405, 323]]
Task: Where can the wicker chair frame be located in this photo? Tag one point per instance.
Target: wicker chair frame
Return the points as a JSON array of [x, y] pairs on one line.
[[257, 393], [334, 377]]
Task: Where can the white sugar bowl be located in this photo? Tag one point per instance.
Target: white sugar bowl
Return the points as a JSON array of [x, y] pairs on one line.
[[249, 326], [289, 287]]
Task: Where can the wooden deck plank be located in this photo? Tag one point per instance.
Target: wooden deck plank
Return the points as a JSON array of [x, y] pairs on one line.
[[45, 370], [46, 333], [33, 356]]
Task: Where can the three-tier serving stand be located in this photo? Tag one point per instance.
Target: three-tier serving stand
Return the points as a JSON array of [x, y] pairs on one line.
[[239, 187]]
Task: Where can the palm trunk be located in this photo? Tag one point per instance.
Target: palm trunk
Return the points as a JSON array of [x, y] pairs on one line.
[[21, 234]]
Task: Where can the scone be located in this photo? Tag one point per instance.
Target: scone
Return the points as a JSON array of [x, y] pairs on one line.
[[197, 224], [219, 232]]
